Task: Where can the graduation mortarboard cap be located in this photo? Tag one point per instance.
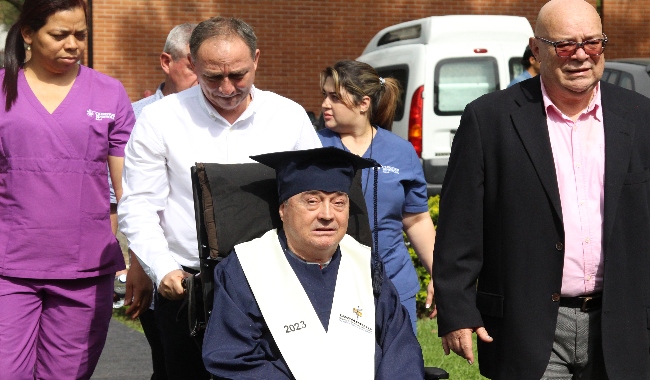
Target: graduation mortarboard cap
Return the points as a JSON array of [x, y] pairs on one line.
[[325, 169]]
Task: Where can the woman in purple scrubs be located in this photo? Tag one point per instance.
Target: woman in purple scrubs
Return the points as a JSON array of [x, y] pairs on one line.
[[357, 108], [60, 123]]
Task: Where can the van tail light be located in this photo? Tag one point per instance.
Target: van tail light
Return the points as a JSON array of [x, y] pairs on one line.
[[415, 121]]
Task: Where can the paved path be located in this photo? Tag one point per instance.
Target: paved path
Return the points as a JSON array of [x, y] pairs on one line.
[[126, 355]]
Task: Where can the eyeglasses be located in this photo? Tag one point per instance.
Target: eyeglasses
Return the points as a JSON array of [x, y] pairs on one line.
[[565, 49]]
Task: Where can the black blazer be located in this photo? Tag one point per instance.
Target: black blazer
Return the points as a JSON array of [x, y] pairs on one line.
[[501, 224]]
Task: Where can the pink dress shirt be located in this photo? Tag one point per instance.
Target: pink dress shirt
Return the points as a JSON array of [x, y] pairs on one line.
[[579, 156]]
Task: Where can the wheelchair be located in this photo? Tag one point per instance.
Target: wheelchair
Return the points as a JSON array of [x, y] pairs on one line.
[[235, 203]]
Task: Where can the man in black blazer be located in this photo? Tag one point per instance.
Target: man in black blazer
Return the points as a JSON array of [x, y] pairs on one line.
[[543, 241]]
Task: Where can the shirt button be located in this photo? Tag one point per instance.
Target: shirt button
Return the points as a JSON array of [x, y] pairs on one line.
[[555, 297], [587, 240], [559, 246]]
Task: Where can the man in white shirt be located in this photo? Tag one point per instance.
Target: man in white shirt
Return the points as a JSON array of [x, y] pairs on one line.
[[225, 119], [179, 76]]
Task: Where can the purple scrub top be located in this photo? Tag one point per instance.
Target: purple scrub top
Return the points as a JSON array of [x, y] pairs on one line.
[[54, 209]]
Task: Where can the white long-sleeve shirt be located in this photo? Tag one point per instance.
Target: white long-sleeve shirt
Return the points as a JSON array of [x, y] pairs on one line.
[[156, 212]]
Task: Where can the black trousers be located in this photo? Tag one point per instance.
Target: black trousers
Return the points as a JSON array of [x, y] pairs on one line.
[[148, 322], [182, 353]]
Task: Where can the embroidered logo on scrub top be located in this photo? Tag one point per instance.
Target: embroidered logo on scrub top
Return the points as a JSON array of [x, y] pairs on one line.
[[390, 169], [100, 115]]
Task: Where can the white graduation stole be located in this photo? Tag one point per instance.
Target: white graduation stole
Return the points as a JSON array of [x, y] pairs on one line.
[[347, 349]]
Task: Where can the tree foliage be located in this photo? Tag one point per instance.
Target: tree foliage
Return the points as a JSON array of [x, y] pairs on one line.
[[9, 11]]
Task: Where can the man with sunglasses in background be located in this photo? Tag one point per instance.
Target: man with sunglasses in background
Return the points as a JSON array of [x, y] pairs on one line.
[[543, 239]]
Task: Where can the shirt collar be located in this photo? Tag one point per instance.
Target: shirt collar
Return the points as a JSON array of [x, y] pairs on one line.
[[594, 108], [158, 94], [214, 114]]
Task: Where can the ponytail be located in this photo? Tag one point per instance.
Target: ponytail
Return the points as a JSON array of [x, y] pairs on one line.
[[14, 60], [386, 103]]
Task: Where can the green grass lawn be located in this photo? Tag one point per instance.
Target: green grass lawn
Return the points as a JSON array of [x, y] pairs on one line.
[[434, 356], [427, 335]]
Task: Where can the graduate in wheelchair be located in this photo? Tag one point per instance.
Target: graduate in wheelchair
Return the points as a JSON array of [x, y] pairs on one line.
[[303, 299]]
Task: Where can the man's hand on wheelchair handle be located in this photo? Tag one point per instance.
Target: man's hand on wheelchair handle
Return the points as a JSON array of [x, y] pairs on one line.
[[171, 286]]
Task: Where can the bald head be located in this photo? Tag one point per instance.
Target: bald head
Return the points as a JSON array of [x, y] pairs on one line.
[[569, 80], [556, 13]]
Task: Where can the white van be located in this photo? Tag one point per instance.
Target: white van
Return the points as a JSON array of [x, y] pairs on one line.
[[443, 63]]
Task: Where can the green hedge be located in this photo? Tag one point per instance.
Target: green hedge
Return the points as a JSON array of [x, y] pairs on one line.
[[423, 276]]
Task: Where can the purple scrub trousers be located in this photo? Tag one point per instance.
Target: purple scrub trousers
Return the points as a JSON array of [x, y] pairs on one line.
[[53, 329]]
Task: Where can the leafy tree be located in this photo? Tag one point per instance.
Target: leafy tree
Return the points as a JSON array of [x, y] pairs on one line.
[[9, 11]]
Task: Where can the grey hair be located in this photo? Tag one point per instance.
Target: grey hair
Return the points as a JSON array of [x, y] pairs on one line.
[[225, 27], [178, 39]]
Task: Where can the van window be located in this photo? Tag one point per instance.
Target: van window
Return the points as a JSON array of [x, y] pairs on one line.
[[516, 68], [401, 73], [408, 33], [458, 81]]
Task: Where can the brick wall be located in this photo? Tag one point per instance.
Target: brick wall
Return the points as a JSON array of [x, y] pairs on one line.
[[626, 25], [298, 38]]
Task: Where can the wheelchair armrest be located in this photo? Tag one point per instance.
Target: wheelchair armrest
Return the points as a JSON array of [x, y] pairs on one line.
[[433, 373]]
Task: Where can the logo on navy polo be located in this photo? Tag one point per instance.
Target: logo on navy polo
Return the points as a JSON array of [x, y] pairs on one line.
[[100, 115], [390, 169]]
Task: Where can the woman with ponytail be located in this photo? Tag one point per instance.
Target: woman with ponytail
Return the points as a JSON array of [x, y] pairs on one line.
[[60, 124], [358, 108]]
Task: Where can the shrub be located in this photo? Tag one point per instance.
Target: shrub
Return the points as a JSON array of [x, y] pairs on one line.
[[423, 276]]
